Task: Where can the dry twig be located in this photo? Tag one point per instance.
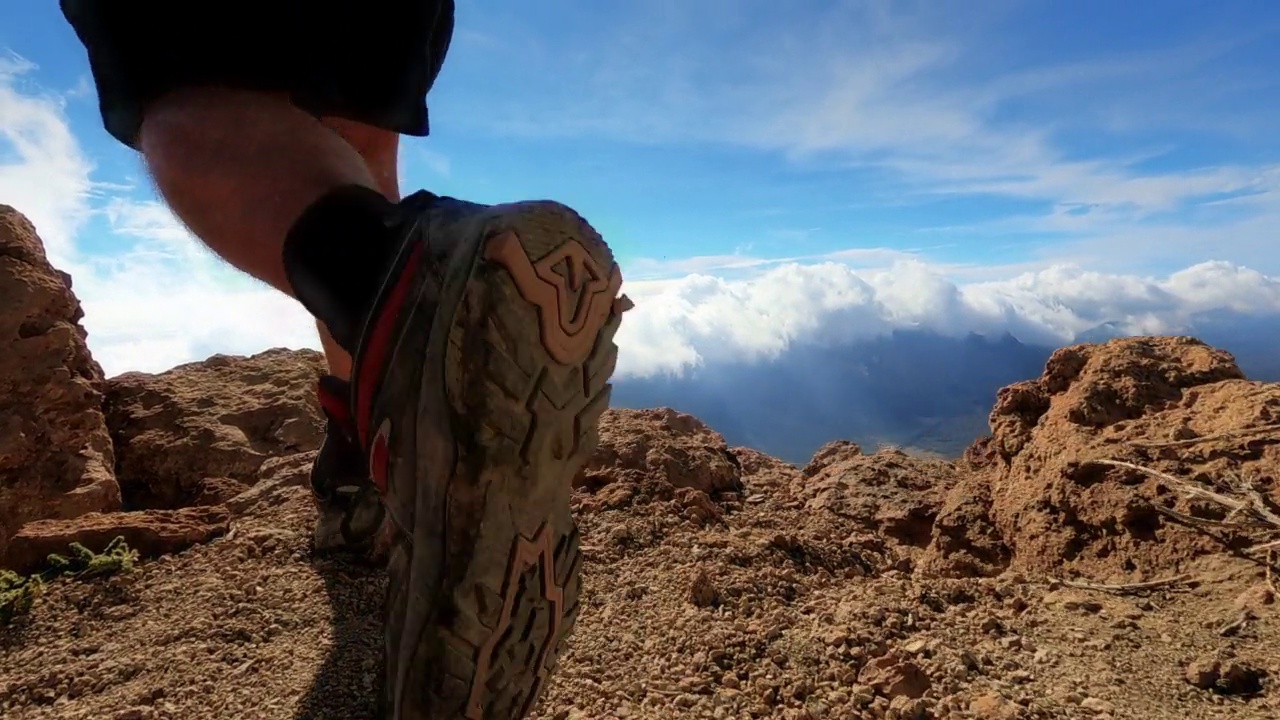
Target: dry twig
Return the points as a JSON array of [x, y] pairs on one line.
[[1128, 588], [1186, 519], [1254, 507], [1271, 573], [1235, 626], [1259, 506]]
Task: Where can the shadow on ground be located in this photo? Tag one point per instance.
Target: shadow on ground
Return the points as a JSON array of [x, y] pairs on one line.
[[349, 682]]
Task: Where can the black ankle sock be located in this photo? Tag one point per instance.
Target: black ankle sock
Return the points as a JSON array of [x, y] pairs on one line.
[[336, 254]]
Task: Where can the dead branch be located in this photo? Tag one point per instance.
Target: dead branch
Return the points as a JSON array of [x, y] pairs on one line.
[[1192, 519], [1272, 555], [1128, 588], [1260, 506], [1255, 506], [1235, 626], [1269, 547]]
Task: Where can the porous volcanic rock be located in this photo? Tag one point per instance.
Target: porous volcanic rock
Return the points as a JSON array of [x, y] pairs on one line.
[[656, 453], [55, 452], [1171, 404], [890, 492], [151, 533], [186, 435]]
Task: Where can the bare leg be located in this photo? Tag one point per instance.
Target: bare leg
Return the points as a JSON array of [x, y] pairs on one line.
[[379, 148], [239, 167]]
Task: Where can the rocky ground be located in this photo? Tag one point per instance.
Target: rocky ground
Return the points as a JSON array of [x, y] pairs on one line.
[[1101, 555]]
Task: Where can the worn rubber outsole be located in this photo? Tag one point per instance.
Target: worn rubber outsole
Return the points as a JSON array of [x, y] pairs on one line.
[[531, 351]]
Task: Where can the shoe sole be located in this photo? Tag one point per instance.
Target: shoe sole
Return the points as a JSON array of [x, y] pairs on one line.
[[527, 368]]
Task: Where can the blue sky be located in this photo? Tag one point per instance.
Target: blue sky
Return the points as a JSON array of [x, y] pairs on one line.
[[717, 143]]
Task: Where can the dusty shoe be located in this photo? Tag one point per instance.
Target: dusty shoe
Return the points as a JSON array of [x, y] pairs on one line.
[[478, 383], [352, 520]]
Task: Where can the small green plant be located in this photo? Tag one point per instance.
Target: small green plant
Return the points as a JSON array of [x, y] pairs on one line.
[[18, 593]]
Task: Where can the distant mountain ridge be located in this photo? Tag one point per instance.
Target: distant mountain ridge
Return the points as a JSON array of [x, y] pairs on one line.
[[915, 389]]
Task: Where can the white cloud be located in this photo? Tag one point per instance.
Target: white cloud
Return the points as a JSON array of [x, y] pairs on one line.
[[168, 300], [43, 170], [700, 320], [720, 265]]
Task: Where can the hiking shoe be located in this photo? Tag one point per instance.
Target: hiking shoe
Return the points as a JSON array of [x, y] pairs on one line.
[[352, 519], [478, 382]]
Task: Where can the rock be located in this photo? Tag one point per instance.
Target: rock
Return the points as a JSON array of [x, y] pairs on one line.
[[1098, 706], [660, 447], [1116, 400], [993, 707], [1203, 673], [1098, 385], [761, 471], [1255, 598], [894, 678], [905, 708], [217, 491], [278, 477], [890, 492], [916, 647], [1240, 678], [56, 457], [150, 532], [702, 592], [966, 541], [220, 418], [830, 454]]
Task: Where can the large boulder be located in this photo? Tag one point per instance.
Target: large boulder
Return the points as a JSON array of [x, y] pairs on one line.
[[200, 433], [150, 533], [889, 492], [666, 461], [662, 446], [56, 457], [1037, 500]]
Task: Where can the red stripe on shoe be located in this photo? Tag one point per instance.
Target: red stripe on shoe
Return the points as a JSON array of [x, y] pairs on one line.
[[373, 356]]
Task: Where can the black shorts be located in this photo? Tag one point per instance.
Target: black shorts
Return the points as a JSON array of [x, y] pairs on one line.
[[372, 61]]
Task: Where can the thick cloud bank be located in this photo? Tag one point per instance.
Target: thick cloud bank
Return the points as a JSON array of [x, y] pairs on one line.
[[701, 321]]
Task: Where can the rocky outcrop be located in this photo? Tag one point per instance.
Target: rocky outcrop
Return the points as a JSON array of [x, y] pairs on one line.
[[1037, 500], [151, 533], [189, 445], [641, 448], [890, 492], [55, 452], [199, 433]]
